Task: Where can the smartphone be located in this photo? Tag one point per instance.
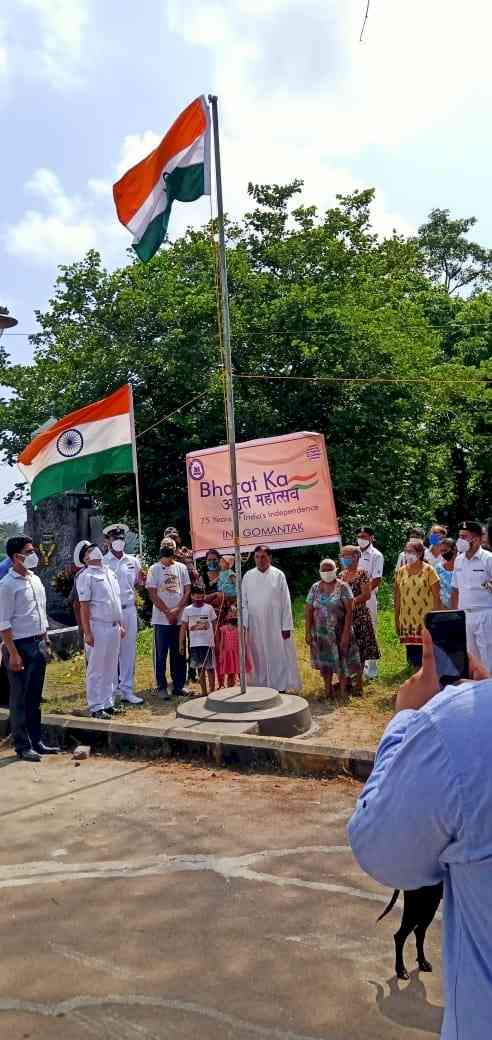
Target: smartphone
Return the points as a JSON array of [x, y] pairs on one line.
[[448, 632]]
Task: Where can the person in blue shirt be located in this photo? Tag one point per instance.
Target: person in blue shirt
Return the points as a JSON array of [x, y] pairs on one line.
[[444, 568], [425, 815], [227, 578], [5, 566]]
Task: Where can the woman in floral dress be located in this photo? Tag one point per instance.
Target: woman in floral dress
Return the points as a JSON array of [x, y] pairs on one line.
[[360, 583], [329, 634]]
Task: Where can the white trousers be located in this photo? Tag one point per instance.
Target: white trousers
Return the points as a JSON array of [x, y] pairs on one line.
[[102, 659], [371, 667], [479, 636], [125, 666]]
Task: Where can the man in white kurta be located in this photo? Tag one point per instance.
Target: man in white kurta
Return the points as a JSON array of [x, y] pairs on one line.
[[268, 620]]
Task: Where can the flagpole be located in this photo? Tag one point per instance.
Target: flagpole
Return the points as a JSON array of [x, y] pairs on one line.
[[229, 388], [135, 470]]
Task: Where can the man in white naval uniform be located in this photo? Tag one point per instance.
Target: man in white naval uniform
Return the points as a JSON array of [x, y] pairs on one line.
[[127, 571], [102, 622], [472, 590], [371, 561]]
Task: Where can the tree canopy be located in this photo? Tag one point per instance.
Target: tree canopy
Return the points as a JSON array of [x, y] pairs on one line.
[[334, 329]]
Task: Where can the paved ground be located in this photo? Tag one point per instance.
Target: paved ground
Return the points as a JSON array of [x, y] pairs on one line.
[[158, 902]]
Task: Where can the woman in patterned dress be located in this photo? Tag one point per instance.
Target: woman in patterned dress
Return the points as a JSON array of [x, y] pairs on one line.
[[360, 583], [417, 590], [329, 634]]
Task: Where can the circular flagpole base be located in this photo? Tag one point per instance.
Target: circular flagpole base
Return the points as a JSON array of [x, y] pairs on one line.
[[260, 709]]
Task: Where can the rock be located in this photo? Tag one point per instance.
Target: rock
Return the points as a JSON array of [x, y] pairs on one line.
[[81, 752]]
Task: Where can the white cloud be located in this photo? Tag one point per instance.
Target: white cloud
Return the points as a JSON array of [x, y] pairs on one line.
[[134, 148], [300, 96], [64, 226], [100, 187], [3, 53], [44, 39]]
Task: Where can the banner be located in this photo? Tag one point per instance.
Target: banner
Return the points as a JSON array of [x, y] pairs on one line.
[[284, 491]]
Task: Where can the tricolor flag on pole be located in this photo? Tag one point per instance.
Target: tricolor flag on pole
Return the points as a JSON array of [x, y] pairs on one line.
[[84, 445], [178, 169]]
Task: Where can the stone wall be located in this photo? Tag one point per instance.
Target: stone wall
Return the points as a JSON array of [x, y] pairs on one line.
[[56, 525]]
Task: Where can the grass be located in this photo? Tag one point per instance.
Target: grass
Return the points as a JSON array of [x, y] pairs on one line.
[[361, 717]]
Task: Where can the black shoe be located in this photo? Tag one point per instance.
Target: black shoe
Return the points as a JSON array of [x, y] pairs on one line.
[[100, 715], [117, 709], [43, 749], [29, 755]]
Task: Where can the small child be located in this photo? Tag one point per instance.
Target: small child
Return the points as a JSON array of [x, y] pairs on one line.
[[198, 620], [227, 578], [229, 648]]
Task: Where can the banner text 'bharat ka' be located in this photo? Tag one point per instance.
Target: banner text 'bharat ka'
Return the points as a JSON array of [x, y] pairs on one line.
[[285, 494]]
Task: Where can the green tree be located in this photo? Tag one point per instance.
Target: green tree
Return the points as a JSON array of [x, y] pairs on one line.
[[333, 329], [8, 529], [450, 258]]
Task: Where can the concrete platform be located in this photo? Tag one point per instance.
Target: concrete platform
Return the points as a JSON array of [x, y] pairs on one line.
[[276, 714], [191, 738], [170, 902]]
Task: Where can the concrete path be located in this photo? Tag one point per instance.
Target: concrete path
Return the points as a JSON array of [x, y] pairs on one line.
[[158, 902]]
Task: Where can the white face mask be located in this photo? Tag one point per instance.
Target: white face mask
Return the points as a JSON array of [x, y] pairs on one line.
[[462, 545], [95, 556], [118, 544], [31, 561], [328, 575], [363, 543], [410, 558]]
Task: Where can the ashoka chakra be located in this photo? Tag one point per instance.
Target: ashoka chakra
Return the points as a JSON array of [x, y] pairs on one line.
[[70, 443]]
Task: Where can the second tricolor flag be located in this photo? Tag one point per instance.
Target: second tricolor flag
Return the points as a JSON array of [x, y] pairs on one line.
[[178, 169]]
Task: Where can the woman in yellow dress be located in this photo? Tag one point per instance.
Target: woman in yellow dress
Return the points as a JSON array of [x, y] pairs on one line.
[[417, 590]]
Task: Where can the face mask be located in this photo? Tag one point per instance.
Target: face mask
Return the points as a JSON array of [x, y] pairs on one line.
[[462, 545], [328, 575], [346, 561], [410, 558], [212, 565], [95, 556], [198, 602], [118, 544], [448, 555], [363, 543], [31, 561], [232, 621], [435, 539]]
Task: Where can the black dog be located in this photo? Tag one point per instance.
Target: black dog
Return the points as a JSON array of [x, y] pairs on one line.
[[419, 909]]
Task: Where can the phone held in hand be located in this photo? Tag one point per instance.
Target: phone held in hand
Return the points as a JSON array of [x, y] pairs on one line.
[[447, 629]]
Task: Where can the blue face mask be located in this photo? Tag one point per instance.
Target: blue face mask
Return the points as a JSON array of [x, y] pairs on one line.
[[345, 561], [435, 539], [212, 565]]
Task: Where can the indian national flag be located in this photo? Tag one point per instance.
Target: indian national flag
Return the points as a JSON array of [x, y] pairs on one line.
[[179, 168], [85, 444]]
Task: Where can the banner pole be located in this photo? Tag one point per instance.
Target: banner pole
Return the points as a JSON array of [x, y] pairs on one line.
[[135, 470], [229, 388]]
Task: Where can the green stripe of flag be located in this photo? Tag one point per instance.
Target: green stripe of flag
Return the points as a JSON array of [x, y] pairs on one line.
[[73, 474], [184, 184]]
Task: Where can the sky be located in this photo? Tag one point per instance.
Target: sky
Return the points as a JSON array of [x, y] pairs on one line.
[[88, 88]]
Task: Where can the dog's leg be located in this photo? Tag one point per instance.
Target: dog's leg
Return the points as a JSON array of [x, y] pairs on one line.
[[400, 938], [423, 963]]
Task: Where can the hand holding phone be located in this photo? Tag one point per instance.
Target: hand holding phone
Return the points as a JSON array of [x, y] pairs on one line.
[[447, 629], [424, 685]]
